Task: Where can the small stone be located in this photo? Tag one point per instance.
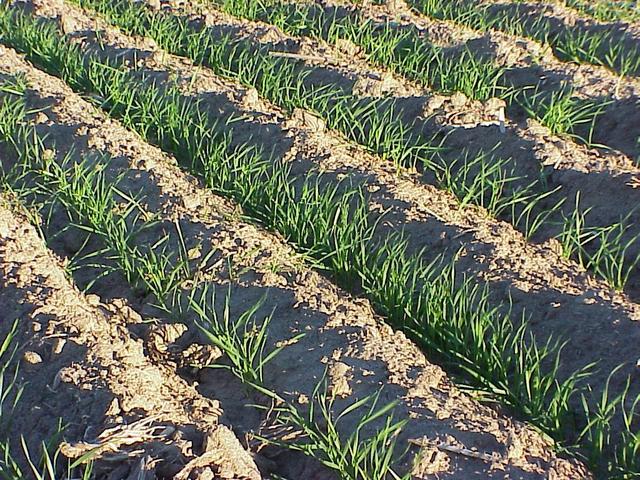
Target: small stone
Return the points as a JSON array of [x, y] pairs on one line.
[[494, 104], [48, 154], [206, 474], [458, 99], [41, 117], [194, 253], [32, 358], [93, 300], [114, 408], [209, 20], [340, 375], [252, 98], [58, 345], [388, 82]]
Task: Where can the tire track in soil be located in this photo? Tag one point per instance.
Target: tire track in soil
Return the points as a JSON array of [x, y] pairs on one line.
[[603, 179], [562, 300], [341, 332], [81, 363]]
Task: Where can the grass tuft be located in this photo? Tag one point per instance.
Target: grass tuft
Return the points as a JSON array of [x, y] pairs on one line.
[[354, 455], [604, 249]]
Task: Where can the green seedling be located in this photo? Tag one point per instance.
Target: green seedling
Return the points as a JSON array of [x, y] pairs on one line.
[[598, 431], [354, 455], [447, 316], [243, 340], [483, 180], [402, 50], [561, 111], [607, 250], [52, 465], [371, 123], [10, 388]]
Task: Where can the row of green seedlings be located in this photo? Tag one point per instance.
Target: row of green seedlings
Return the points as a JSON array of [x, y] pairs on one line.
[[46, 465], [405, 51], [91, 201], [332, 224], [607, 10], [580, 44], [606, 250], [483, 179], [448, 316]]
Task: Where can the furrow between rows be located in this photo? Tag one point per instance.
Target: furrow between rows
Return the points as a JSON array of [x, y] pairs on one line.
[[480, 168], [87, 385], [340, 334]]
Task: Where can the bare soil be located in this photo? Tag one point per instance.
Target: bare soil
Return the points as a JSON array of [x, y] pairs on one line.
[[342, 333], [100, 361], [81, 363], [562, 299]]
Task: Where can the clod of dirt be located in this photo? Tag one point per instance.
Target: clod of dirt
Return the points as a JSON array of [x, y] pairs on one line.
[[308, 120], [32, 358], [340, 375], [375, 86], [348, 47], [138, 418], [221, 447]]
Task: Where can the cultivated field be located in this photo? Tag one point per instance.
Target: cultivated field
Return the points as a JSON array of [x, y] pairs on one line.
[[254, 239]]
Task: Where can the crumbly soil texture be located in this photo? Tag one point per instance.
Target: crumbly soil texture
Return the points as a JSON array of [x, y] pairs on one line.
[[127, 384], [105, 373]]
